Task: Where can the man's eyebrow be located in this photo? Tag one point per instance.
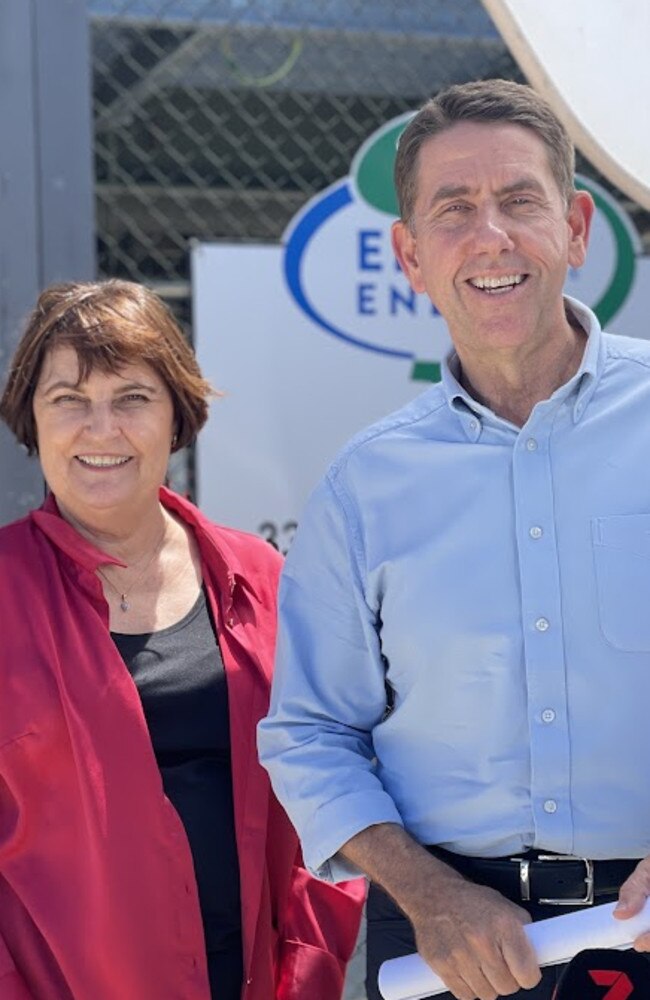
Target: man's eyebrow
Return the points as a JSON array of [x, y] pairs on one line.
[[523, 184], [449, 191]]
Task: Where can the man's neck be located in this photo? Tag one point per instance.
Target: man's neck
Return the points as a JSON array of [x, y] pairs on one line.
[[511, 386]]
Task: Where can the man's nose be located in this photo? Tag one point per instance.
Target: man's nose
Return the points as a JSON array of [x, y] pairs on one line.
[[492, 232]]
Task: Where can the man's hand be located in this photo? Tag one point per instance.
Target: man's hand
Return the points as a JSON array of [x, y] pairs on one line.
[[471, 936], [631, 899]]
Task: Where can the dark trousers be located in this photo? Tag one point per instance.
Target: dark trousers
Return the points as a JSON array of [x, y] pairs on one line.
[[390, 935]]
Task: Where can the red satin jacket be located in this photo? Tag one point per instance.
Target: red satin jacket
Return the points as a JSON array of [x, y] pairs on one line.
[[98, 899]]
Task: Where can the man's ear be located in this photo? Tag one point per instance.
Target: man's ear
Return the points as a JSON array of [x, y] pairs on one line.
[[405, 249], [581, 213]]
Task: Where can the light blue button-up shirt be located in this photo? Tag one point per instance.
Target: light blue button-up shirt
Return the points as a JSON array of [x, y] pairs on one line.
[[495, 580]]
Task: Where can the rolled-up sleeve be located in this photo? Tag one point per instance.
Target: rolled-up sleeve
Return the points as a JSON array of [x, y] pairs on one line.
[[328, 690]]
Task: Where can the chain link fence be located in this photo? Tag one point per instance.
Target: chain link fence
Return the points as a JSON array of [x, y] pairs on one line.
[[218, 119]]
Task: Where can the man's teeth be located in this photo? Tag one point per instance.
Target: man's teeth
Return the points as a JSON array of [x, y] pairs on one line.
[[507, 281], [102, 460]]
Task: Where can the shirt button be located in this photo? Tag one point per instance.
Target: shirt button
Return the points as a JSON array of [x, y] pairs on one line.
[[542, 624], [531, 444], [548, 715], [473, 425], [536, 531], [550, 806]]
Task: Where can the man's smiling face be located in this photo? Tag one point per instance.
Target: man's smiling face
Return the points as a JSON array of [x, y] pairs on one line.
[[491, 238]]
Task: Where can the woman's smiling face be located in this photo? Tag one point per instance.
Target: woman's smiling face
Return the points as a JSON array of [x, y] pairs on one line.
[[103, 443]]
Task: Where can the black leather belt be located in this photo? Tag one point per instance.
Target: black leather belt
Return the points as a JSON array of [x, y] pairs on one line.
[[543, 878]]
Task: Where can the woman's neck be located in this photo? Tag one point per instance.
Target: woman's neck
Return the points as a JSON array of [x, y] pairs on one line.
[[129, 539]]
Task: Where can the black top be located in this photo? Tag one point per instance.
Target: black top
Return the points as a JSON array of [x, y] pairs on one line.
[[181, 680]]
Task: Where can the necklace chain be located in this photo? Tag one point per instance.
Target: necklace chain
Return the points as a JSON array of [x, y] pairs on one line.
[[124, 594]]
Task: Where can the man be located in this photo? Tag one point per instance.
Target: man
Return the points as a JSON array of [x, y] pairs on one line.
[[464, 659]]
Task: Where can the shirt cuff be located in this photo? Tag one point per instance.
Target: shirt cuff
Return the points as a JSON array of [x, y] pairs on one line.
[[338, 821]]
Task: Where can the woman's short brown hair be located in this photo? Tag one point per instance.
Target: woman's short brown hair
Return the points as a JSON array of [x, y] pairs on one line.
[[110, 324]]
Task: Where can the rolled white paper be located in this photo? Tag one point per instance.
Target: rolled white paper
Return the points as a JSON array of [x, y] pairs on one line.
[[554, 941]]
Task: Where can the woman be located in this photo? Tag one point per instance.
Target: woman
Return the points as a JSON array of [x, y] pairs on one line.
[[138, 835]]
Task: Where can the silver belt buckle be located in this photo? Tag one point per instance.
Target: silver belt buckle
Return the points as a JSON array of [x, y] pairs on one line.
[[524, 878], [588, 898]]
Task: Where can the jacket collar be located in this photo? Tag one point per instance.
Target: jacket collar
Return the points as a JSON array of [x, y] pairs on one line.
[[66, 538], [222, 559]]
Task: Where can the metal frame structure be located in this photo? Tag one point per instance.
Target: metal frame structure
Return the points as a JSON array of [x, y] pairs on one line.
[[46, 184]]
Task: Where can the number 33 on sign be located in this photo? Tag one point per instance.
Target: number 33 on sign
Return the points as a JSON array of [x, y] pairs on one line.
[[279, 536]]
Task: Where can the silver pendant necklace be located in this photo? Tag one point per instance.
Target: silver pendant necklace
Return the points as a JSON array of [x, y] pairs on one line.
[[123, 595]]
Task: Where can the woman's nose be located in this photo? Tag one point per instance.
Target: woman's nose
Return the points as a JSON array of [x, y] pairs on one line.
[[101, 420]]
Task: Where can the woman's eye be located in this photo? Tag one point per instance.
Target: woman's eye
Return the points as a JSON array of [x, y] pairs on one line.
[[68, 399], [134, 397]]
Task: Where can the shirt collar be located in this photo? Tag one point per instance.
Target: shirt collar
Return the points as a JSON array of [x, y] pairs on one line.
[[583, 384]]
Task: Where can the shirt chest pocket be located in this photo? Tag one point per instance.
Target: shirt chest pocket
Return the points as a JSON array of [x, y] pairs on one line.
[[621, 547]]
